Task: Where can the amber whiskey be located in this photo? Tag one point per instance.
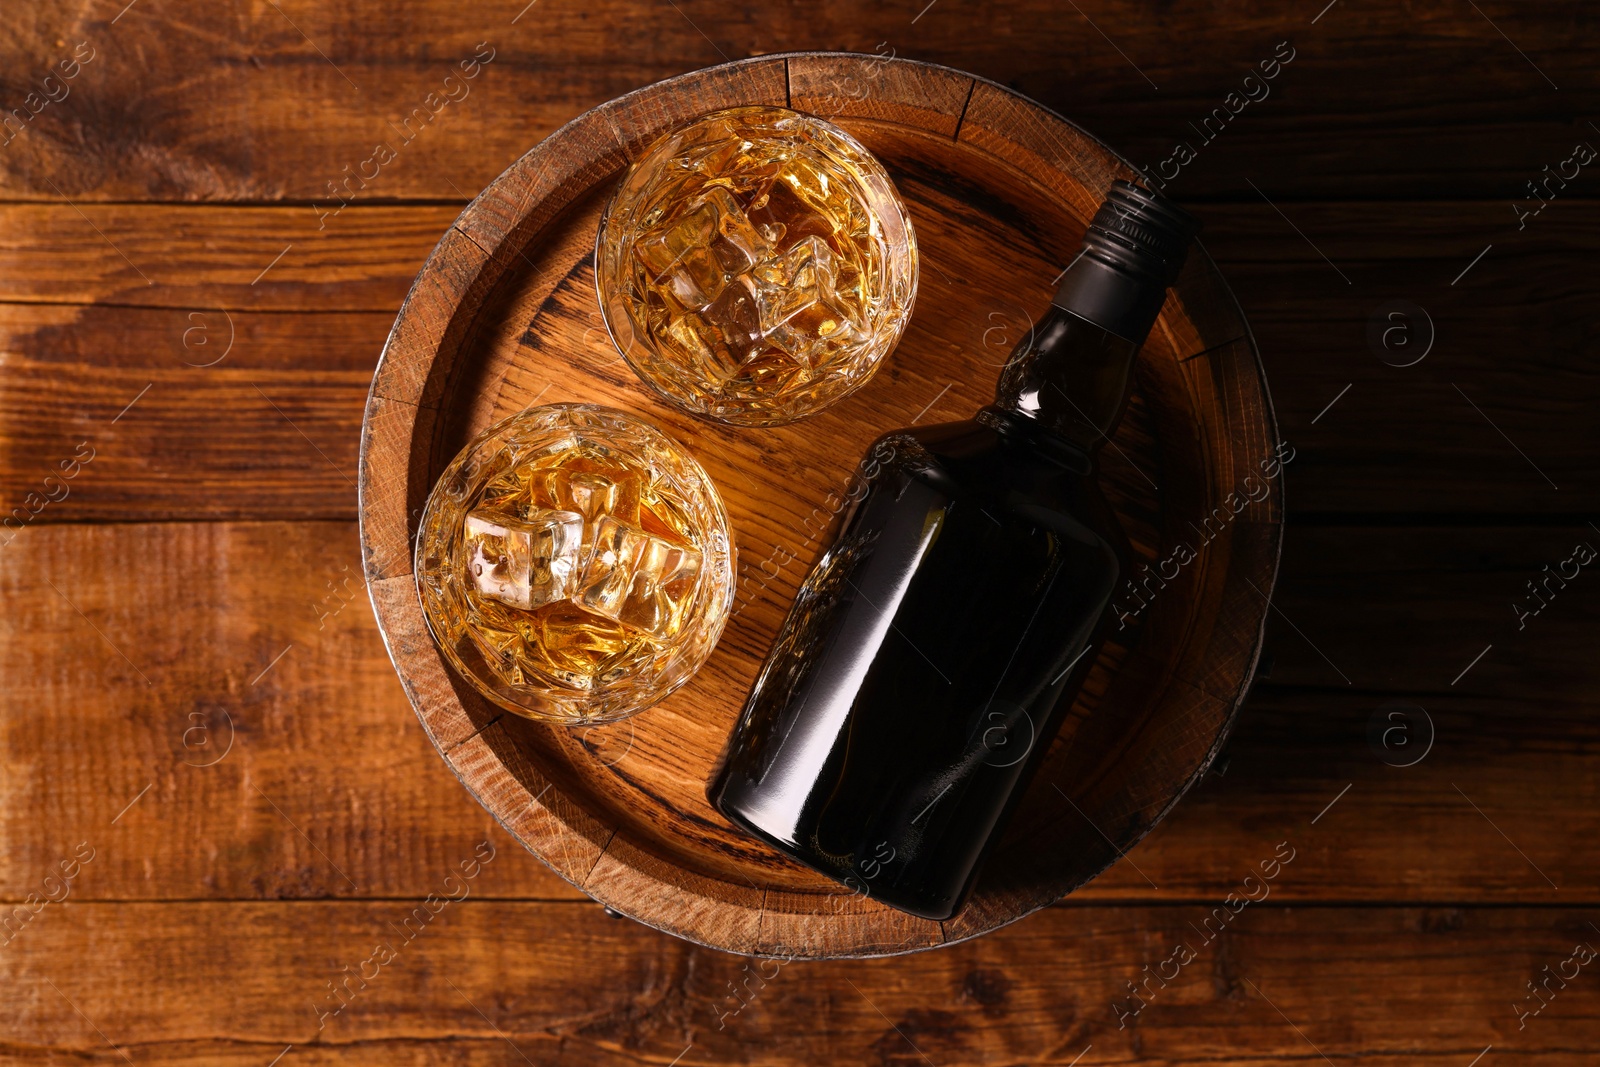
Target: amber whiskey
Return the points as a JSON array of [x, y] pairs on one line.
[[578, 567], [756, 265], [575, 564], [933, 650]]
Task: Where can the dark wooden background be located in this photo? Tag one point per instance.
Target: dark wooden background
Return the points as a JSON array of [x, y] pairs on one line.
[[193, 692]]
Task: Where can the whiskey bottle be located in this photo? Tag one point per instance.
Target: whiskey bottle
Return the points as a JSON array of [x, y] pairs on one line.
[[934, 648]]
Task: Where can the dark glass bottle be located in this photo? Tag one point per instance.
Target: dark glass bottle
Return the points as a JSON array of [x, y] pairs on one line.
[[933, 649]]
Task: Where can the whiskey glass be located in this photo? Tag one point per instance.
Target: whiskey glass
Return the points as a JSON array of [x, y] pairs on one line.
[[756, 265], [575, 564]]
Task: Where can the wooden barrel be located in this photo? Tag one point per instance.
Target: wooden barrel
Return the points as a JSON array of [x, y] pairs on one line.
[[503, 315]]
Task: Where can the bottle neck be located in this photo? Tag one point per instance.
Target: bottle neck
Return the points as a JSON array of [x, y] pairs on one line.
[[1071, 377]]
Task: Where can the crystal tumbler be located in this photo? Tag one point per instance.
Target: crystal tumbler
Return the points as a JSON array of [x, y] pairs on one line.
[[575, 564], [756, 265]]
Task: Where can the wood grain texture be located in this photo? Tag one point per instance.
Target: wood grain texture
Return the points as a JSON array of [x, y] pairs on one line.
[[509, 318], [200, 413], [227, 258], [1511, 338], [252, 103], [188, 670], [883, 87], [1396, 143], [83, 733], [1358, 600], [480, 974]]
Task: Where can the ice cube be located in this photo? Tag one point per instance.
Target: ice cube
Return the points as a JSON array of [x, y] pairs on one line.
[[769, 370], [524, 564], [678, 254], [593, 493], [716, 144], [638, 579], [735, 321], [781, 211], [801, 307], [808, 175], [735, 242], [690, 332], [789, 285]]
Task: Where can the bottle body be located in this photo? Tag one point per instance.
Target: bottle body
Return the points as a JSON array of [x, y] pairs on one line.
[[934, 649], [927, 661]]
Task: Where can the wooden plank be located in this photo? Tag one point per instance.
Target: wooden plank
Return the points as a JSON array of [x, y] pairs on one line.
[[1405, 611], [1497, 414], [1486, 812], [182, 413], [228, 682], [199, 259], [53, 253], [278, 104], [1401, 440], [565, 985], [326, 733]]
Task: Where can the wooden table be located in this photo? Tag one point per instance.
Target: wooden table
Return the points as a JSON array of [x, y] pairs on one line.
[[216, 806]]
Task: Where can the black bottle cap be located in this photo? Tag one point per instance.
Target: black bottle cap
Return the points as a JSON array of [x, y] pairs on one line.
[[1134, 250]]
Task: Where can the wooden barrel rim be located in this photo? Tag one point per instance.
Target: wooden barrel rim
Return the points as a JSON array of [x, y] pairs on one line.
[[1209, 354]]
